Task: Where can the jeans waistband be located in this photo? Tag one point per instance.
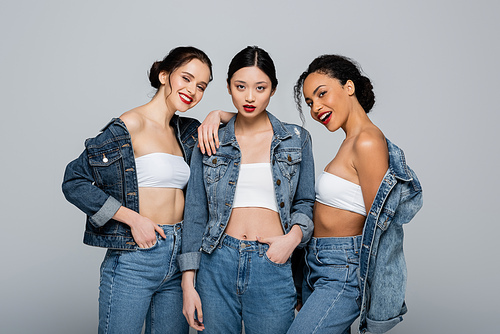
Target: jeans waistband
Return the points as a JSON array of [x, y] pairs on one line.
[[171, 229], [336, 243], [243, 245]]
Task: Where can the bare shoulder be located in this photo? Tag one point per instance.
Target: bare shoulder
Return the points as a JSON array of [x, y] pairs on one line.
[[133, 119], [370, 139], [370, 144]]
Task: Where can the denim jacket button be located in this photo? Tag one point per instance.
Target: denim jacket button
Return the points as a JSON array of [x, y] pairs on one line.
[[282, 204], [278, 182], [214, 161], [286, 226], [289, 158]]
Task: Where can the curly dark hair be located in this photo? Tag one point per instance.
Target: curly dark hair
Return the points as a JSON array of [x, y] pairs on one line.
[[342, 69]]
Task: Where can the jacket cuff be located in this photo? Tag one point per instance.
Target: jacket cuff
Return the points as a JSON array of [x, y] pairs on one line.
[[306, 225], [189, 261], [379, 327], [106, 212]]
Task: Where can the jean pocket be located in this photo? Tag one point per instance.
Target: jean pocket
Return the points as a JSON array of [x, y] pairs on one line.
[[149, 248], [275, 263], [332, 258]]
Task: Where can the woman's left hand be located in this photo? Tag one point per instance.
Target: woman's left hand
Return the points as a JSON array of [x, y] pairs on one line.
[[281, 247]]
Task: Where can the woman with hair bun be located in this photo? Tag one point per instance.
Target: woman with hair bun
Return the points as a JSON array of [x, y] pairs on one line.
[[250, 205], [363, 197], [130, 182]]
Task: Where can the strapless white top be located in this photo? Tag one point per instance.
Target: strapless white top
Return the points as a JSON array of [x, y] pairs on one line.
[[339, 193], [255, 187], [161, 170]]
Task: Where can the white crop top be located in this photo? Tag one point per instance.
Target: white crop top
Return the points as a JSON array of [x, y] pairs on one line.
[[161, 170], [255, 187], [339, 193]]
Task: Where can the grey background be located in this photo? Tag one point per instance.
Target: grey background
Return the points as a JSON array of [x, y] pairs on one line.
[[67, 67]]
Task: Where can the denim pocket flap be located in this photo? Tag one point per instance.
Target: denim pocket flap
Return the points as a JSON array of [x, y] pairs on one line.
[[215, 161], [214, 168], [290, 158], [105, 158]]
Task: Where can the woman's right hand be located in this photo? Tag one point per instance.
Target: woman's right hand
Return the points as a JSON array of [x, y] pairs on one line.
[[191, 302], [143, 229], [208, 133]]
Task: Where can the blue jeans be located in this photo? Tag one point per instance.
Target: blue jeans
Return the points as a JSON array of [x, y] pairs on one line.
[[238, 282], [143, 285], [331, 291]]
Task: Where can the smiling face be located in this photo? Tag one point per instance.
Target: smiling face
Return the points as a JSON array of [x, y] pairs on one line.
[[251, 91], [330, 102], [187, 85]]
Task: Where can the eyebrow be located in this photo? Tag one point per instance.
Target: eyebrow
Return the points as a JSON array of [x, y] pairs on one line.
[[316, 90], [192, 76], [257, 83]]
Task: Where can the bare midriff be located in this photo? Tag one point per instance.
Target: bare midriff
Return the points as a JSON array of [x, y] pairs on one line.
[[164, 206], [334, 222], [248, 223]]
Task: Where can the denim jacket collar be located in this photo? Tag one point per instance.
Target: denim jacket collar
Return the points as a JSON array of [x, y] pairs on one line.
[[228, 137], [397, 162]]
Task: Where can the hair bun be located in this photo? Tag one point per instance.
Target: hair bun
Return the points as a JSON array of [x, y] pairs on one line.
[[154, 75], [365, 94]]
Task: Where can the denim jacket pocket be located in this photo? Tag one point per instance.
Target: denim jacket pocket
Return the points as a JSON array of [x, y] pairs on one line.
[[288, 162], [214, 167], [106, 167]]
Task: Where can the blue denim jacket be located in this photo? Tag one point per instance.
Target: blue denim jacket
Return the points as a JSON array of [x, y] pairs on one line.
[[103, 178], [382, 265], [212, 185]]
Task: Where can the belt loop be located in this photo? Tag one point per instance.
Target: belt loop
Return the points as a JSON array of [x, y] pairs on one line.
[[357, 245], [221, 241], [261, 249]]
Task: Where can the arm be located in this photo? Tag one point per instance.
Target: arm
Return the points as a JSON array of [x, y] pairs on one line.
[[371, 161], [79, 189], [303, 201], [191, 302], [195, 220], [208, 131], [196, 217]]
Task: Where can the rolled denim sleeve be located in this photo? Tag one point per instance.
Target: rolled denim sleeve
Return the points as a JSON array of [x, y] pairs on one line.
[[79, 189], [303, 201], [195, 215]]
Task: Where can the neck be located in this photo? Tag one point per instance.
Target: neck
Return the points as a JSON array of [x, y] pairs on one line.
[[243, 125], [356, 121], [158, 110]]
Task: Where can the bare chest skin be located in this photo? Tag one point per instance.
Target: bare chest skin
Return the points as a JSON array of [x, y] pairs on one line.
[[248, 223], [161, 205], [334, 222]]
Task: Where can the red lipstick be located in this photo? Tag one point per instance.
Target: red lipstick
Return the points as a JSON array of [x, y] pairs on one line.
[[185, 98], [249, 107], [325, 117]]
